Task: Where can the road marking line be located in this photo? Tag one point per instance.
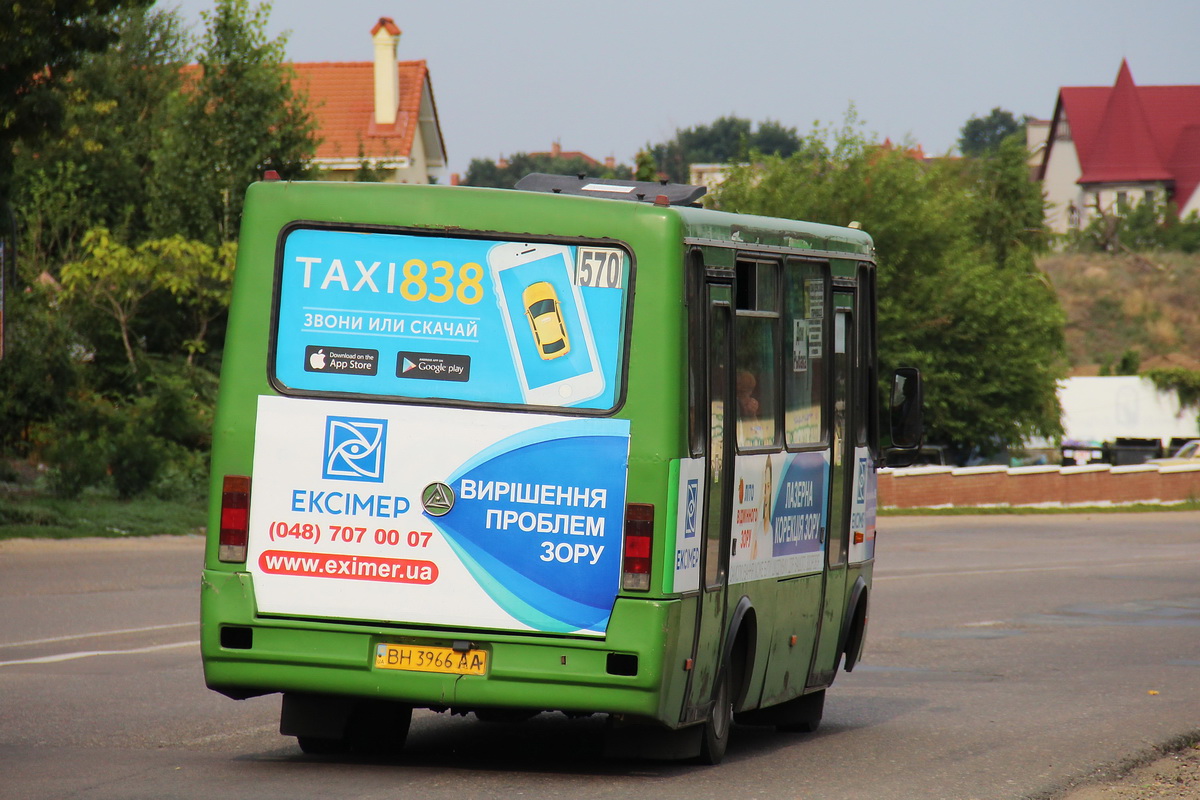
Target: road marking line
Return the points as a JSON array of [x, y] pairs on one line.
[[1133, 562], [88, 653], [965, 572], [118, 632]]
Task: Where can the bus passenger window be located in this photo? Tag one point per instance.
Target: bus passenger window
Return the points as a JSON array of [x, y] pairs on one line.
[[755, 382], [805, 302]]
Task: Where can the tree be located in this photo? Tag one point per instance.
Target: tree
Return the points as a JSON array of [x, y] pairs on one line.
[[119, 280], [644, 167], [96, 171], [200, 278], [961, 301], [1185, 383], [485, 172], [726, 140], [40, 42], [984, 135], [237, 115], [39, 373], [1007, 213], [115, 279]]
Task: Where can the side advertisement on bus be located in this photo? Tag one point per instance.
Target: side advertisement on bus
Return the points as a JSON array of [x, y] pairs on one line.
[[779, 523], [437, 516], [780, 512]]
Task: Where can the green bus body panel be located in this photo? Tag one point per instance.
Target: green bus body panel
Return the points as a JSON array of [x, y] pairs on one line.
[[786, 665], [568, 674], [536, 671]]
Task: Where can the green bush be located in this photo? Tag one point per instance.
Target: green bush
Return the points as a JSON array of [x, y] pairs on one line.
[[1146, 226], [183, 476], [136, 458], [77, 461]]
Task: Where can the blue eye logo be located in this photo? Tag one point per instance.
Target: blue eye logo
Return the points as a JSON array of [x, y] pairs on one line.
[[354, 449], [689, 518]]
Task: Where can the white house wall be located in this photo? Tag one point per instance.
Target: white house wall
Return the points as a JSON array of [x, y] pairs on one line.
[[1059, 184]]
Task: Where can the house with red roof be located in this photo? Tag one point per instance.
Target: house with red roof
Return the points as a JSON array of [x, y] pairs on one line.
[[378, 112], [1113, 147]]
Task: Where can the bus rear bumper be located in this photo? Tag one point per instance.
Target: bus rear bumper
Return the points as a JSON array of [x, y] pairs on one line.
[[622, 673]]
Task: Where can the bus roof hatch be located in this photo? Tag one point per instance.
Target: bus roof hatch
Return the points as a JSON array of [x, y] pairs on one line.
[[677, 194]]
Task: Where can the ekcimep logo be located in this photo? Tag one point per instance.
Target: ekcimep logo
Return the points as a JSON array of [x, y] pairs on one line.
[[693, 502], [354, 449]]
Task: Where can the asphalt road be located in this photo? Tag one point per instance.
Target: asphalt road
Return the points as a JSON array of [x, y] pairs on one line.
[[1008, 657]]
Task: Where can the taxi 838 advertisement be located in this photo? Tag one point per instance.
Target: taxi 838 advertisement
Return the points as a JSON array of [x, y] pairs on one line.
[[437, 516], [481, 320]]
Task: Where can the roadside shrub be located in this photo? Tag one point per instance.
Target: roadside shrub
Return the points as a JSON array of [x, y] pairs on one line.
[[8, 473], [1147, 226], [77, 461], [183, 476], [136, 458]]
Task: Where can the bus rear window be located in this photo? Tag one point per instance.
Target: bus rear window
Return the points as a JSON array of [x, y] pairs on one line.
[[455, 319]]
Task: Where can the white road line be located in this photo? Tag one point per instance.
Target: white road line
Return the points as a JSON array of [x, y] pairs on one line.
[[88, 653], [118, 632], [966, 572], [1132, 562]]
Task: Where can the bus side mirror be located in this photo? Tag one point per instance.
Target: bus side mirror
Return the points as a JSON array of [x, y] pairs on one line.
[[907, 429]]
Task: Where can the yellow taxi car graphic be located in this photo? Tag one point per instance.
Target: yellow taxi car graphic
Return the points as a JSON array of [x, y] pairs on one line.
[[545, 318]]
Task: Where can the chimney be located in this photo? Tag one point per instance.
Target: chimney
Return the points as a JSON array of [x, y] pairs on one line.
[[386, 36]]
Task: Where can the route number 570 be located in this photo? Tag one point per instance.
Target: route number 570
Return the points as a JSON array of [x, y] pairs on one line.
[[599, 267]]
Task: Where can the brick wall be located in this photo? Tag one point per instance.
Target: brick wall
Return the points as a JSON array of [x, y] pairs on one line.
[[1094, 484]]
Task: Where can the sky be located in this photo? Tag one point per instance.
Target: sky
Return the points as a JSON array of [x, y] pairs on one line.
[[607, 78]]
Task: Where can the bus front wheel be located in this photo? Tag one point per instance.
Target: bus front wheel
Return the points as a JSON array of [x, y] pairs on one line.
[[720, 719]]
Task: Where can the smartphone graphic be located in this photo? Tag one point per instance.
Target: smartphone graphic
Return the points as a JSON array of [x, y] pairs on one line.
[[546, 323]]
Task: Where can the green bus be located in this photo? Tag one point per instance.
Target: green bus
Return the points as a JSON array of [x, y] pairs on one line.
[[582, 446]]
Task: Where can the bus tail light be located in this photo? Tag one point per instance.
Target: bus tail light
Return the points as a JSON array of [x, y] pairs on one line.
[[639, 540], [235, 518]]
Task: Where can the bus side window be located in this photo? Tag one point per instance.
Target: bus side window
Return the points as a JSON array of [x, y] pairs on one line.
[[693, 288], [756, 333], [866, 366], [805, 305]]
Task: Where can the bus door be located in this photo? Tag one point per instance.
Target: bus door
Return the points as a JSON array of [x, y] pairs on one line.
[[841, 480], [718, 455]]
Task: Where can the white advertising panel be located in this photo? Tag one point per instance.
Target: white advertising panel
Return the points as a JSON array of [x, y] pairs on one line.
[[437, 516], [689, 525], [780, 509], [862, 510]]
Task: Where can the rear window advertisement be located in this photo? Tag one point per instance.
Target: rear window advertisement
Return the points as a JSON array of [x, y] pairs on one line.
[[398, 315]]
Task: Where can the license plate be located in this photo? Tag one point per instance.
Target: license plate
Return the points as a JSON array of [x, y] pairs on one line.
[[419, 658]]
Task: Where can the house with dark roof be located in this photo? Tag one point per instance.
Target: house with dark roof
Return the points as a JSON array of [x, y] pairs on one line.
[[1114, 147], [378, 112]]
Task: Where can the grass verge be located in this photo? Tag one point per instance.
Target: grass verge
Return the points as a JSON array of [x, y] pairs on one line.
[[38, 516]]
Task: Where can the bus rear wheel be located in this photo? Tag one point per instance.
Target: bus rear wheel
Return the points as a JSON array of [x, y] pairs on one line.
[[379, 728], [716, 728], [328, 725]]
